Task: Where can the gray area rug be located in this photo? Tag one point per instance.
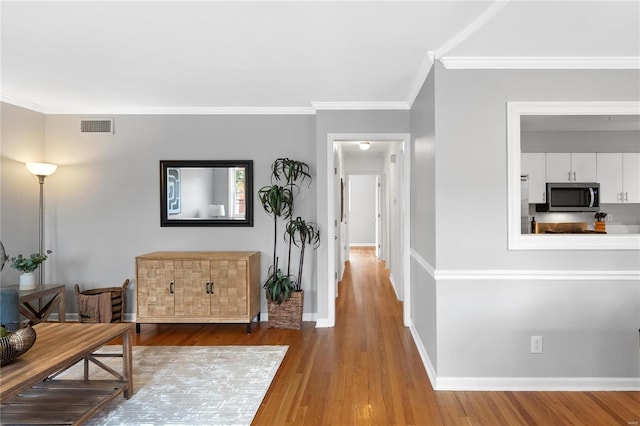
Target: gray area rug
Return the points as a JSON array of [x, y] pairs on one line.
[[189, 385]]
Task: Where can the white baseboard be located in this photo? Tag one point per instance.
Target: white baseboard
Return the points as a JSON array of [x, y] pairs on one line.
[[538, 384], [431, 371], [324, 323]]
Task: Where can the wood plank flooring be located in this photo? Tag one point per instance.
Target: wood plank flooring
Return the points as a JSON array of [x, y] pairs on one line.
[[367, 370]]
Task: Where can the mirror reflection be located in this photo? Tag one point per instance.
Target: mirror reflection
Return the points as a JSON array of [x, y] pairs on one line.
[[206, 193]]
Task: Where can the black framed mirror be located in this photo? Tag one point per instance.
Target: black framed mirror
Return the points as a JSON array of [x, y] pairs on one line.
[[206, 193]]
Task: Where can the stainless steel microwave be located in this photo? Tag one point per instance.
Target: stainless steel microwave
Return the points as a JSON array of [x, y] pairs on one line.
[[571, 197]]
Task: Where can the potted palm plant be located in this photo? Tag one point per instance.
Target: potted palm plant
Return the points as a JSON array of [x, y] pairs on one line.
[[284, 293]]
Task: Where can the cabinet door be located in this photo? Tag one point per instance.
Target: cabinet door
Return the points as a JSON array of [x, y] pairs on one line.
[[230, 290], [155, 288], [631, 177], [192, 277], [610, 177], [533, 164], [583, 167], [558, 167]]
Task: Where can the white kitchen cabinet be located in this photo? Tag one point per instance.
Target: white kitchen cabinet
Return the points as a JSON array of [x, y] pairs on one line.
[[533, 165], [571, 167], [619, 177], [610, 176], [631, 177]]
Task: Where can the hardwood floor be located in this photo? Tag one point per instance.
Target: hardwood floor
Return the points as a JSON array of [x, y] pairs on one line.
[[367, 370]]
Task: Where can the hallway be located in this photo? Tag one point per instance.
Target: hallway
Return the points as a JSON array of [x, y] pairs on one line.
[[367, 370]]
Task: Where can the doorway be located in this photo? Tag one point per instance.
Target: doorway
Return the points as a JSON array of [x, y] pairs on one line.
[[395, 212]]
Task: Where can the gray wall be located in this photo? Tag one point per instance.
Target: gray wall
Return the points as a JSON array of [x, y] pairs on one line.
[[23, 137], [103, 204], [484, 321], [423, 218]]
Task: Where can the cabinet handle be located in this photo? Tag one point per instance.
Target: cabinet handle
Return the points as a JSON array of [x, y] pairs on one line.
[[211, 287], [208, 291], [171, 287], [544, 196], [569, 174], [574, 176], [626, 196]]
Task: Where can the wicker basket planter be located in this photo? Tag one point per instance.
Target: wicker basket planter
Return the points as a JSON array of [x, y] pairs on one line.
[[288, 314]]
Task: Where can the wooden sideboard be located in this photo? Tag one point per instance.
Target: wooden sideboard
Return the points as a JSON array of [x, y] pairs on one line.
[[197, 287]]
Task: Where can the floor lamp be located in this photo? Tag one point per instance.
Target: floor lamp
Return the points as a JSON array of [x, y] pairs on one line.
[[41, 170]]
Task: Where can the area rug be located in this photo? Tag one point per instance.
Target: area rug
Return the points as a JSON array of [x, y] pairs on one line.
[[189, 385]]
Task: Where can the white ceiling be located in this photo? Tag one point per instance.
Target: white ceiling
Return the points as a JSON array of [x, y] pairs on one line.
[[287, 56]]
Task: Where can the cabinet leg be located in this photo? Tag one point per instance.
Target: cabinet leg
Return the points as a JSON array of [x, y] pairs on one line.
[[137, 328], [258, 316], [249, 328]]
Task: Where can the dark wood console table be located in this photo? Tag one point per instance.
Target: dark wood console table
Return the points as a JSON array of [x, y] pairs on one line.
[[41, 313]]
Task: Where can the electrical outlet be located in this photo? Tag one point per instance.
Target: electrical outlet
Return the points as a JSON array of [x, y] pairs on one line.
[[536, 344]]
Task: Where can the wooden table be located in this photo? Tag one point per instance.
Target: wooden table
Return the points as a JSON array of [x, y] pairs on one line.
[[28, 396], [41, 313]]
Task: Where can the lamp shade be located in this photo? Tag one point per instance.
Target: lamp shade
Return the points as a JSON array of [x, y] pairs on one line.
[[42, 169], [216, 210]]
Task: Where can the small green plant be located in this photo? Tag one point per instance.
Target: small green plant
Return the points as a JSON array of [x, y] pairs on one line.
[[278, 286], [29, 264]]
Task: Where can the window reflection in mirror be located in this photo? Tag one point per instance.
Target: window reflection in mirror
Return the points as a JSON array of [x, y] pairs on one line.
[[593, 135], [206, 193]]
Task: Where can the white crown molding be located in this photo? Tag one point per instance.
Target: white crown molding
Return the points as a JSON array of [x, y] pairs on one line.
[[470, 29], [421, 77], [22, 103], [157, 111], [540, 62], [362, 106]]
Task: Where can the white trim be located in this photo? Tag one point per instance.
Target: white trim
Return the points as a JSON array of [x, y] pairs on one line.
[[540, 62], [431, 270], [537, 275], [421, 76], [511, 274], [8, 99], [470, 29], [518, 241], [564, 384], [324, 323], [362, 245], [157, 110], [361, 106], [426, 361]]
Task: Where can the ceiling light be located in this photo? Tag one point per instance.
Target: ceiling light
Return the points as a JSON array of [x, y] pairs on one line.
[[365, 146]]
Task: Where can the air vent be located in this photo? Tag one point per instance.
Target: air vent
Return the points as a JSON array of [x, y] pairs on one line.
[[101, 126]]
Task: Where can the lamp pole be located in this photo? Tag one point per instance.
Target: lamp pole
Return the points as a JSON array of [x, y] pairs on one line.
[[41, 228], [41, 170]]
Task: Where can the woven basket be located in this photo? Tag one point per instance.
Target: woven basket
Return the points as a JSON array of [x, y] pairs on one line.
[[20, 339], [118, 300], [287, 314]]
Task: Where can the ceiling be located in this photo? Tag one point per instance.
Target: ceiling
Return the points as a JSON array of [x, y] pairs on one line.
[[287, 56]]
